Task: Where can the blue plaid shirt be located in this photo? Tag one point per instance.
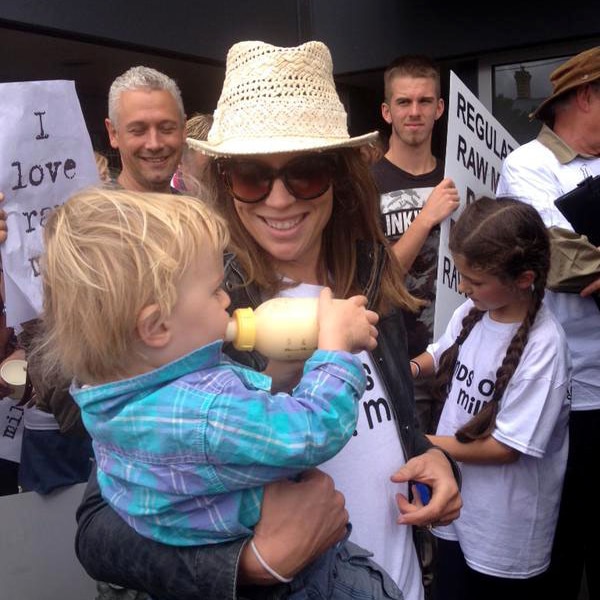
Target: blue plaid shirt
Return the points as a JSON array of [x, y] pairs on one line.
[[184, 451]]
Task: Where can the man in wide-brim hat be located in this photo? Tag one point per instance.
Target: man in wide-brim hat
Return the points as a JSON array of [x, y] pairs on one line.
[[567, 151]]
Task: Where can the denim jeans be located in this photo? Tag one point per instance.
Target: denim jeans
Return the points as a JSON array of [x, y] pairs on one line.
[[344, 572]]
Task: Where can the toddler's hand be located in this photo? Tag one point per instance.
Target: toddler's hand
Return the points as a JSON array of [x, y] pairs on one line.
[[347, 324]]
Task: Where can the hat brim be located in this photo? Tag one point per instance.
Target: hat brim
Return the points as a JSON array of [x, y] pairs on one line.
[[277, 145], [540, 111]]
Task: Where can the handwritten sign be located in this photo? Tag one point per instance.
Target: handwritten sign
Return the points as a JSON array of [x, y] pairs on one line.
[[45, 156], [475, 147]]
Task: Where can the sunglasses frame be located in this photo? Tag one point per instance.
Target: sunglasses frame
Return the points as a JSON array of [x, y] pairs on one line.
[[331, 160]]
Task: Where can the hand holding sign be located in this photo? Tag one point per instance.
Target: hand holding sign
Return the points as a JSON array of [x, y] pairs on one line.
[[442, 202]]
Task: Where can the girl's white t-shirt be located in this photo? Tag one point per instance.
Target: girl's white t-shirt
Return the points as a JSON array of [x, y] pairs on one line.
[[507, 522], [362, 471]]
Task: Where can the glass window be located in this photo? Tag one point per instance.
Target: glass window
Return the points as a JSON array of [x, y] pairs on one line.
[[517, 89], [512, 83]]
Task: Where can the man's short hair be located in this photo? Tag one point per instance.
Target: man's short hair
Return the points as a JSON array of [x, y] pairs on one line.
[[137, 78], [411, 65]]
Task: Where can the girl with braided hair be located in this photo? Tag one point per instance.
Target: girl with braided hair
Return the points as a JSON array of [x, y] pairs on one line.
[[502, 369]]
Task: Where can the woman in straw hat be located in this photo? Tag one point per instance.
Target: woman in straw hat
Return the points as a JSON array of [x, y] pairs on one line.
[[303, 213]]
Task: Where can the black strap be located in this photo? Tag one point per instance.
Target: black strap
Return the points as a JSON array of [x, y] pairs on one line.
[[27, 393]]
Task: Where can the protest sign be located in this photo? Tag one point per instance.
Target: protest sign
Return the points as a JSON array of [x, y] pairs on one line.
[[475, 147], [45, 156], [11, 429]]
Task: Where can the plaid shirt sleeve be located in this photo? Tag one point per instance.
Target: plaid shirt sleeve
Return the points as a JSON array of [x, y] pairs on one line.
[[248, 426]]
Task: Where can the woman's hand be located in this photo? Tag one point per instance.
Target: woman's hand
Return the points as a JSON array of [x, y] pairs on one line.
[[433, 469], [299, 521]]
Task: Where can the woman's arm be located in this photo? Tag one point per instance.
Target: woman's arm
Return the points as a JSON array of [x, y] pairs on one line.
[[299, 521]]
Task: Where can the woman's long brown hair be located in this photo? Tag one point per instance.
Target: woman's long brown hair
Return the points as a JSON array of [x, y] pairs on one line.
[[355, 216]]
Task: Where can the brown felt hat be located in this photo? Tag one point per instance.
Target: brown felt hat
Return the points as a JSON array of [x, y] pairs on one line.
[[578, 70]]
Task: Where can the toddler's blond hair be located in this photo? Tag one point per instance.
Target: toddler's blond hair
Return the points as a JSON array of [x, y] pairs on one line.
[[108, 254]]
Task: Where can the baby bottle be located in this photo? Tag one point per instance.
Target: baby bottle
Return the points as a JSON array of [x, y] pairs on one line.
[[280, 328]]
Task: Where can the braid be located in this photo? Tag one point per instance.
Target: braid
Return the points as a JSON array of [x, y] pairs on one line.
[[443, 376], [520, 243], [483, 423]]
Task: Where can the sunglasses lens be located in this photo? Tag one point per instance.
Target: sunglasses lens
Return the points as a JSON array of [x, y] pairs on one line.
[[309, 177], [249, 181], [305, 177]]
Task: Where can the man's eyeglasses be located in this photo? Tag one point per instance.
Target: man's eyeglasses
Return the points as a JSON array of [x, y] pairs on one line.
[[305, 177]]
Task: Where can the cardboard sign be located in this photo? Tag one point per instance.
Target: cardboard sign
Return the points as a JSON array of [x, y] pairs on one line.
[[45, 156], [475, 147]]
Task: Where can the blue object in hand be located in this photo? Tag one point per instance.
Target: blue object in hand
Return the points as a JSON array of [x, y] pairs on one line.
[[424, 491]]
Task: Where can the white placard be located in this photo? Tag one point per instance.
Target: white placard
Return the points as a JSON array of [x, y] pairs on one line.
[[12, 419], [475, 147], [45, 156]]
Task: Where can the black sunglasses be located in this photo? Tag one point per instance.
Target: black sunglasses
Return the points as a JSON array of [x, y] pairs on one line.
[[305, 177]]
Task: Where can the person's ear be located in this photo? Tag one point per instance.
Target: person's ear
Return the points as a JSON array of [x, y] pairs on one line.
[[112, 133], [385, 113], [440, 108], [151, 328], [525, 279], [584, 96]]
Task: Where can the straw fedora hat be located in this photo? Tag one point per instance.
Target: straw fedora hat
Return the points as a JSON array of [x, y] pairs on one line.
[[578, 70], [278, 99]]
